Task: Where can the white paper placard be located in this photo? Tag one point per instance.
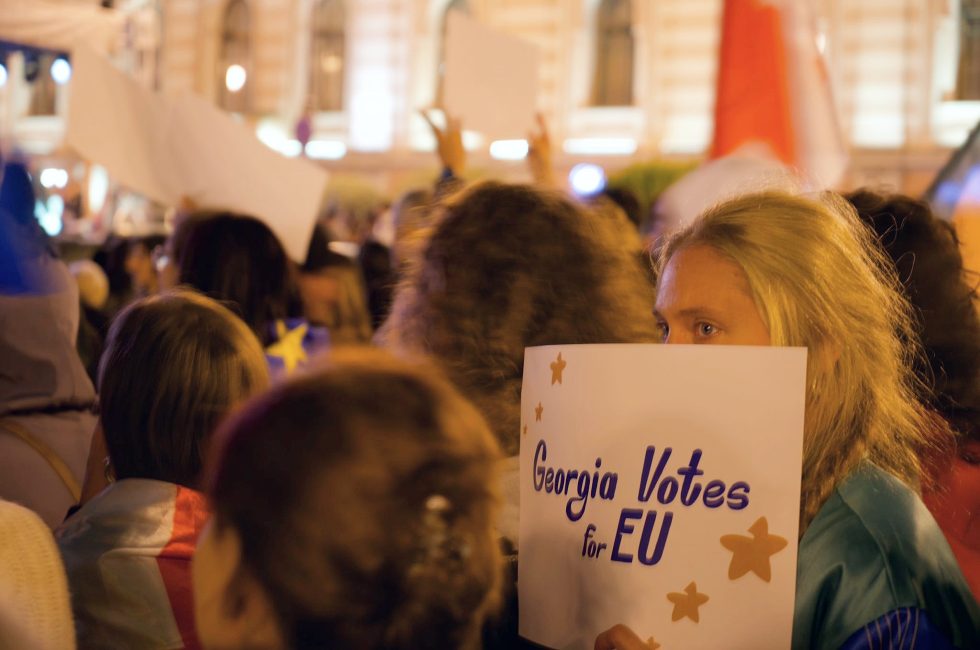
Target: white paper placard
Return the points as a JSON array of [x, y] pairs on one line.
[[117, 123], [168, 148], [721, 508], [491, 78]]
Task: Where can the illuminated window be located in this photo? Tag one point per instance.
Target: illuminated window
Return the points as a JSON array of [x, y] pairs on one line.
[[233, 59], [968, 65], [327, 56], [613, 79], [44, 91]]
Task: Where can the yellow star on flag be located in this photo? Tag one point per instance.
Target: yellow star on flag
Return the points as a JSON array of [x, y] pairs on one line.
[[289, 347], [686, 604], [557, 366], [753, 553], [537, 412]]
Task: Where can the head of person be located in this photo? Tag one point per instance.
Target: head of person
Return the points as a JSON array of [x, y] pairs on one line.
[[139, 263], [237, 260], [353, 508], [778, 269], [626, 201], [926, 254], [174, 365], [506, 267]]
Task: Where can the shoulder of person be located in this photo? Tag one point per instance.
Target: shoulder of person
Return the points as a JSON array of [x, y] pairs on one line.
[[874, 548]]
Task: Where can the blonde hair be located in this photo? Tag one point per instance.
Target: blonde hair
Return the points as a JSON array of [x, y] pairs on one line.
[[819, 281]]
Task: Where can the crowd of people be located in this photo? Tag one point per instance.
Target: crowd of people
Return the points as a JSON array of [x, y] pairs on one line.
[[243, 451]]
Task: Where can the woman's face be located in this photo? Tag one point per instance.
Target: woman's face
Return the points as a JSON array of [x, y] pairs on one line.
[[230, 609], [703, 297]]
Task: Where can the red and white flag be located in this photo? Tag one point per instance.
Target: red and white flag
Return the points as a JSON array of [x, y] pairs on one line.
[[127, 554], [773, 89]]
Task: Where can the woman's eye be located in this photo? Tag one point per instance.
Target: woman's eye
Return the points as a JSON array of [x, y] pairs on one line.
[[706, 329]]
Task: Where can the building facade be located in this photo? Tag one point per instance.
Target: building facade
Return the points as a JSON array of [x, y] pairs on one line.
[[621, 80]]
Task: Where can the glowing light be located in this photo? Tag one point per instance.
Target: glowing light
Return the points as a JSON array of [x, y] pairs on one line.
[[273, 135], [98, 188], [49, 216], [508, 149], [326, 149], [472, 140], [235, 77], [61, 70], [600, 146], [3, 75], [291, 148], [587, 179], [52, 177]]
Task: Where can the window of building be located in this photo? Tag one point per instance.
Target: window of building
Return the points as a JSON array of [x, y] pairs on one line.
[[234, 57], [44, 91], [327, 56], [613, 79], [968, 63]]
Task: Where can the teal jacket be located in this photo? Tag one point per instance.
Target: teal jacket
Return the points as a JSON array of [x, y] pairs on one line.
[[871, 550]]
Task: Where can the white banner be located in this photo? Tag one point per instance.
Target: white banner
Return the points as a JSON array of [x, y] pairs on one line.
[[170, 148], [491, 78], [660, 489]]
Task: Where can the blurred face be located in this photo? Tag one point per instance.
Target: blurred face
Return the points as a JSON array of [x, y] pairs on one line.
[[230, 609], [139, 266], [704, 298], [166, 268]]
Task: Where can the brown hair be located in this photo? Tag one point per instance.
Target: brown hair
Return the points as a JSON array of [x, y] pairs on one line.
[[238, 260], [364, 497], [174, 365], [926, 254], [511, 266]]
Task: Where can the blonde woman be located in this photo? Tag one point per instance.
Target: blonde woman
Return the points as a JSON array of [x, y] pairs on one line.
[[775, 269]]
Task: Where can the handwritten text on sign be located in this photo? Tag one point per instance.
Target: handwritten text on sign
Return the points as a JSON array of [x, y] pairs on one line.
[[660, 488]]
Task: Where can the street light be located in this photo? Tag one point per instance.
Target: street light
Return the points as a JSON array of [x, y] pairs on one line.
[[235, 77]]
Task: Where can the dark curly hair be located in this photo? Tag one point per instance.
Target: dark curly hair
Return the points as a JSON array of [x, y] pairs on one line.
[[926, 254]]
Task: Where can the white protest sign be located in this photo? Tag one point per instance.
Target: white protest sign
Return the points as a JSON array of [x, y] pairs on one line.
[[114, 121], [228, 166], [168, 148], [491, 78], [660, 489]]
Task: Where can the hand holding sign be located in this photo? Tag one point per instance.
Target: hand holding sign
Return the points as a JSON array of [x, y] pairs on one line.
[[659, 491], [449, 143]]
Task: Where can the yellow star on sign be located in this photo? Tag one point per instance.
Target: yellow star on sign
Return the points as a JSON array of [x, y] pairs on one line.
[[557, 366], [289, 347], [537, 412], [753, 553], [687, 603]]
